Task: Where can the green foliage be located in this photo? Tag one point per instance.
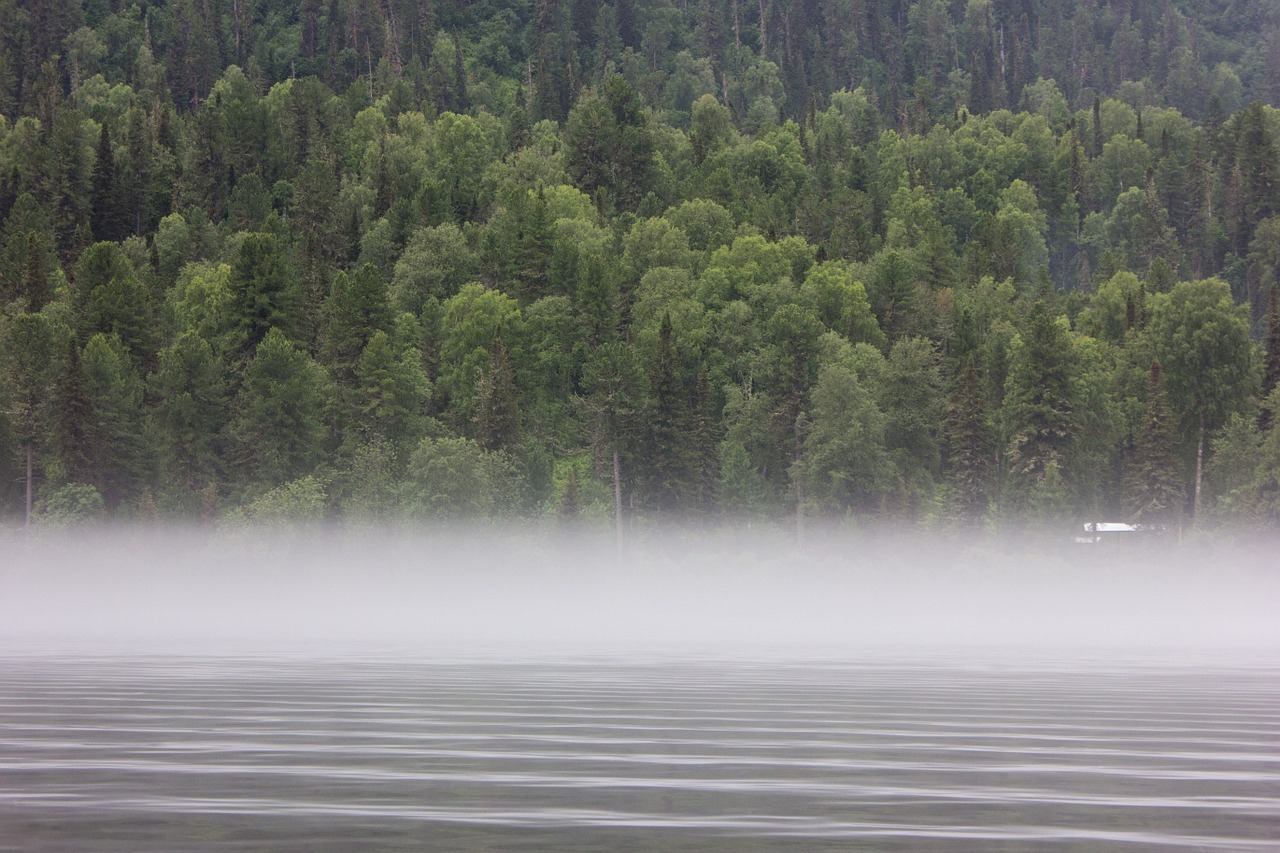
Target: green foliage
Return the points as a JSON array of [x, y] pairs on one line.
[[70, 505], [190, 410], [1041, 411], [610, 148], [296, 502], [110, 299], [845, 465], [277, 431], [260, 294], [1200, 336], [547, 239], [455, 478]]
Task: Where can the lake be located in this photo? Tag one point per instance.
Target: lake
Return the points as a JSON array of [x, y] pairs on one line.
[[637, 751]]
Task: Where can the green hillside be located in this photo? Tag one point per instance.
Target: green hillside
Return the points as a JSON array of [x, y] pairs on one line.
[[942, 262]]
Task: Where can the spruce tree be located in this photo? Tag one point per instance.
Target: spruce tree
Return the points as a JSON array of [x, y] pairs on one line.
[[121, 457], [278, 431], [73, 416], [1155, 492], [27, 355], [357, 308], [189, 411], [104, 202], [497, 417], [668, 475], [1039, 405], [262, 297], [968, 446], [1271, 375]]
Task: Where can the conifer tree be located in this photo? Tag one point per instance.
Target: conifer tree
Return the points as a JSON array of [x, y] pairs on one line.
[[1040, 405], [278, 431], [393, 394], [497, 419], [968, 446], [668, 475], [120, 455], [702, 444], [189, 411], [105, 203], [28, 359], [356, 310], [110, 299], [74, 421], [1154, 491], [1271, 372], [261, 295]]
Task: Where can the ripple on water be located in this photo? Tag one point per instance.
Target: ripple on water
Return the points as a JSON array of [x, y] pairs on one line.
[[395, 753]]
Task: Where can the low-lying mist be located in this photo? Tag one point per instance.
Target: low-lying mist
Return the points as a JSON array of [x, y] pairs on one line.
[[844, 591]]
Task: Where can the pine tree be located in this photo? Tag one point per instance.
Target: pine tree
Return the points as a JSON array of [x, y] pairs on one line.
[[37, 284], [73, 417], [104, 201], [357, 308], [670, 482], [1154, 490], [969, 446], [702, 444], [1097, 128], [27, 354], [393, 394], [120, 460], [1271, 376], [497, 417], [189, 411], [261, 295], [1040, 406], [279, 429]]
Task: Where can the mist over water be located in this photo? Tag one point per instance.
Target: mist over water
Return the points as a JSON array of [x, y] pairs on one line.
[[726, 690], [844, 591]]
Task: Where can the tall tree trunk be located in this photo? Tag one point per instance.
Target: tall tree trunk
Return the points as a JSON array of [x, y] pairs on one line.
[[28, 446], [617, 502], [799, 458], [1195, 501]]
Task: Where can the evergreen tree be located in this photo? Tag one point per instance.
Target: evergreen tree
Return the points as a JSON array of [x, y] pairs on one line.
[[106, 210], [610, 146], [356, 310], [119, 453], [497, 422], [393, 394], [670, 483], [74, 421], [110, 299], [261, 295], [969, 446], [1155, 492], [1040, 406], [29, 365], [188, 413], [278, 430]]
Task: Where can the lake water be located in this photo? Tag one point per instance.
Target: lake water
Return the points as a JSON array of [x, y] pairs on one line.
[[636, 753]]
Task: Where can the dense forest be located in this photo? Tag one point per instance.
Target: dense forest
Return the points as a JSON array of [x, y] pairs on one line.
[[935, 261]]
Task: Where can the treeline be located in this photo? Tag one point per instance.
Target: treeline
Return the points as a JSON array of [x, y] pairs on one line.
[[472, 260], [917, 59]]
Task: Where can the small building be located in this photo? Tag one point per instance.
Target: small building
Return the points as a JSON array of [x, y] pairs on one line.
[[1096, 532]]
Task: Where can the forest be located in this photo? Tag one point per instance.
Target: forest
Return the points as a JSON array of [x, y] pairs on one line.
[[935, 262]]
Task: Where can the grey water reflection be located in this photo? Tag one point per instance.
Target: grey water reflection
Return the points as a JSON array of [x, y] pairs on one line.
[[636, 752]]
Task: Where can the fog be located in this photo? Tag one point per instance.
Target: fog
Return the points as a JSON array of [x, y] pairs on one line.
[[440, 591]]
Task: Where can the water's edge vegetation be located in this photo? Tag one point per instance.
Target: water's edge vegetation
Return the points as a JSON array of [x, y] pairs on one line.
[[964, 265]]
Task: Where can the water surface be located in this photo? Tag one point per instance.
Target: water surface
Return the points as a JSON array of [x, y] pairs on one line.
[[634, 752]]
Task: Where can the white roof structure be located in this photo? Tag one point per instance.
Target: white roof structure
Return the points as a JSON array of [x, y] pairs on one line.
[[1110, 527]]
